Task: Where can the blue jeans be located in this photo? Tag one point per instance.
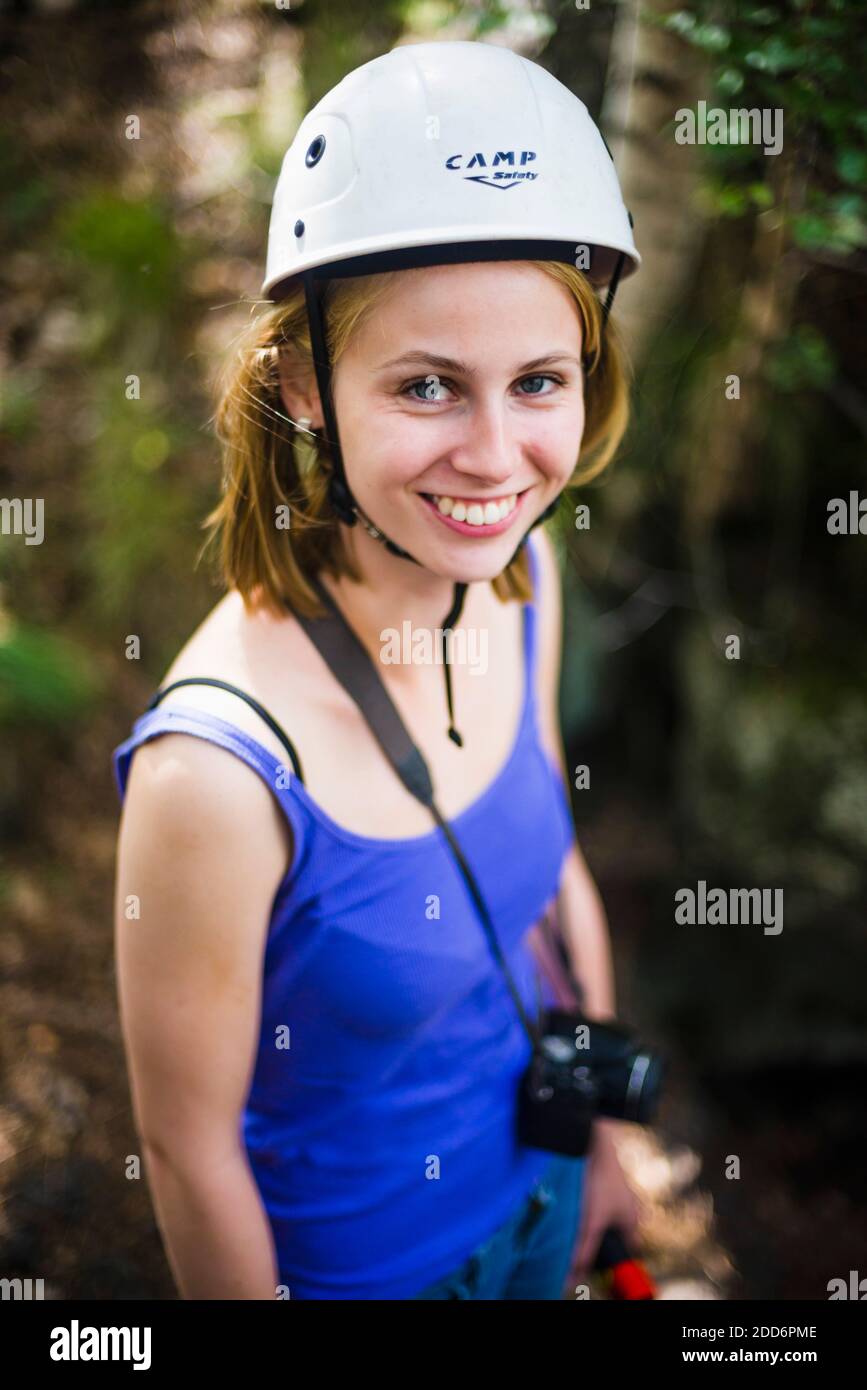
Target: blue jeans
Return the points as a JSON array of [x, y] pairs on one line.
[[529, 1256]]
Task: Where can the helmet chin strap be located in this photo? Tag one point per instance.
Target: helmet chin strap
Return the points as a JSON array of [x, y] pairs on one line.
[[340, 496], [349, 511], [339, 489]]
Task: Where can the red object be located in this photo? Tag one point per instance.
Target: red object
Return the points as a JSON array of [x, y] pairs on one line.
[[624, 1276], [629, 1279]]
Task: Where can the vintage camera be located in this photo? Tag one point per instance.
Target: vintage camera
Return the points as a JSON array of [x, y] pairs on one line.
[[583, 1069]]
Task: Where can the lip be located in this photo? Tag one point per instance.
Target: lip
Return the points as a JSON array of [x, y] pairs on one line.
[[464, 528]]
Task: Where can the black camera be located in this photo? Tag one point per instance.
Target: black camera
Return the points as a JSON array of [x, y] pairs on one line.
[[583, 1069]]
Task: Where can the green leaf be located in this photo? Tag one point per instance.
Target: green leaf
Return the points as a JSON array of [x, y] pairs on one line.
[[802, 361], [131, 242], [731, 201], [765, 15], [44, 678], [811, 231], [852, 166], [20, 404], [841, 232], [774, 56], [730, 81], [760, 195], [848, 204], [681, 22], [849, 232], [711, 37]]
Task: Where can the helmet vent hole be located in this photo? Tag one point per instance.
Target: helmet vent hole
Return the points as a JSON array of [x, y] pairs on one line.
[[315, 151]]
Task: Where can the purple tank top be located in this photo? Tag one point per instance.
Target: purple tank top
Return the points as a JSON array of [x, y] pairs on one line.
[[380, 1120]]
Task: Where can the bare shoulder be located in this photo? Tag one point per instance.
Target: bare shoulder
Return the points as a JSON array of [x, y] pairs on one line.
[[264, 655], [191, 795]]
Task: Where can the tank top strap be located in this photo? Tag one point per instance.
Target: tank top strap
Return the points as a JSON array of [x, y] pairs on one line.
[[531, 624], [182, 719], [248, 699], [533, 563]]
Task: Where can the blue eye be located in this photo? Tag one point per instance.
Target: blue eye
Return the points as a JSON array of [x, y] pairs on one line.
[[430, 387], [555, 379]]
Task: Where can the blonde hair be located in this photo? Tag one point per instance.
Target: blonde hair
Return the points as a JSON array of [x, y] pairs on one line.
[[267, 466]]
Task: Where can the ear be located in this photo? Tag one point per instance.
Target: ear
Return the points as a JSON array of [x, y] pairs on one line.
[[298, 389]]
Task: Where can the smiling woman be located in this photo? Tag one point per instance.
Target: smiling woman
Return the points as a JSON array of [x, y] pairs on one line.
[[496, 307], [325, 1057]]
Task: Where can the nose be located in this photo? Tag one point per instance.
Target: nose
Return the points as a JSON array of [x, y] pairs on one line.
[[489, 450]]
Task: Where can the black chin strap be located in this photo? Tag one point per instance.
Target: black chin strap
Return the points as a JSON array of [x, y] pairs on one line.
[[453, 614]]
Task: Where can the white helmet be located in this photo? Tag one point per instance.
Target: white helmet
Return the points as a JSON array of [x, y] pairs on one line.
[[440, 153], [438, 144]]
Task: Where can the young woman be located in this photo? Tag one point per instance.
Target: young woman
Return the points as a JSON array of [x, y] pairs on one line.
[[323, 1055]]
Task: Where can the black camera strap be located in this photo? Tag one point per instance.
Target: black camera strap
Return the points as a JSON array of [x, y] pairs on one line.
[[351, 664]]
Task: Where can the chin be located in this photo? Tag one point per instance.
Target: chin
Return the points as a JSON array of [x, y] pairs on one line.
[[467, 569]]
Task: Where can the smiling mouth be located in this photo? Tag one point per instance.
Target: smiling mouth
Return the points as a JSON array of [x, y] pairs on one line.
[[475, 511]]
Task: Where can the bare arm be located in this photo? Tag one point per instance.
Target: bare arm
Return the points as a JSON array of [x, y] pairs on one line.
[[203, 847], [579, 907]]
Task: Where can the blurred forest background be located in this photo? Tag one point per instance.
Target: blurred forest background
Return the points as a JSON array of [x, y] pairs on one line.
[[146, 255]]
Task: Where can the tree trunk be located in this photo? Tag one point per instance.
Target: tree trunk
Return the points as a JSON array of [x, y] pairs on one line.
[[651, 74]]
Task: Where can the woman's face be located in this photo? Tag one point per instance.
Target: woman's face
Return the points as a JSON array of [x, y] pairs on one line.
[[463, 385]]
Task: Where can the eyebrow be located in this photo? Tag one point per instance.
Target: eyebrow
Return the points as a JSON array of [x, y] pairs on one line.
[[451, 364]]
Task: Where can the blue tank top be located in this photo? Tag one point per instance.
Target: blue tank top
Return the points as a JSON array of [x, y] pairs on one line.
[[380, 1121]]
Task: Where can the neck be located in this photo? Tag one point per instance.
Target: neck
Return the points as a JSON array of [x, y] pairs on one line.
[[391, 591]]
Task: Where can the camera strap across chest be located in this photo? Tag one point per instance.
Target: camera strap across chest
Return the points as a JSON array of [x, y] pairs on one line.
[[351, 664]]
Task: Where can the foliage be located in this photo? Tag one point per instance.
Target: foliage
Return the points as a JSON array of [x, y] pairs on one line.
[[810, 66], [44, 678]]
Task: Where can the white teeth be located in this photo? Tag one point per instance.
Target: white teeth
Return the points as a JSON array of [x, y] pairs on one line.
[[477, 513]]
